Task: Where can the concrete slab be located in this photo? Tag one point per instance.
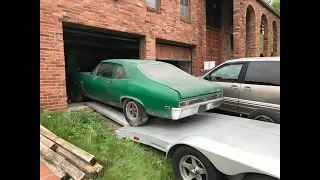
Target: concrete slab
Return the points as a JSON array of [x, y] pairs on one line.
[[108, 112], [76, 106]]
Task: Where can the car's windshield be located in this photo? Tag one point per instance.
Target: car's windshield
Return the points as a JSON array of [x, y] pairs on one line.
[[162, 70]]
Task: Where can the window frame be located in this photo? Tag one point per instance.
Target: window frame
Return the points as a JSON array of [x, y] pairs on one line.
[[246, 71], [186, 1], [241, 73], [158, 9], [95, 70], [116, 65], [119, 65], [189, 11]]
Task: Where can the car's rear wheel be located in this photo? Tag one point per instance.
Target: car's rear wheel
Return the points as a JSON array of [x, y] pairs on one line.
[[190, 164], [266, 115], [134, 113]]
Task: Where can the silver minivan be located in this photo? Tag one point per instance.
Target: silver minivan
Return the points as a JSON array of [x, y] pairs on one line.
[[251, 87]]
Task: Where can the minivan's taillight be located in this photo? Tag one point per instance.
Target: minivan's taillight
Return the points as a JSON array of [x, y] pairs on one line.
[[184, 103]]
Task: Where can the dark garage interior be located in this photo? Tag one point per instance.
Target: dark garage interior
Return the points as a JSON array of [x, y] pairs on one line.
[[84, 49]]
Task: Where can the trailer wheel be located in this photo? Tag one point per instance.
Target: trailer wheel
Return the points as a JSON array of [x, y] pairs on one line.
[[134, 113], [258, 177], [190, 164]]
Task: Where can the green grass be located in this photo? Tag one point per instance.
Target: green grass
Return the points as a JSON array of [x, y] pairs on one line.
[[122, 160]]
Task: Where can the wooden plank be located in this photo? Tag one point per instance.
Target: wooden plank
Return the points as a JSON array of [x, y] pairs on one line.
[[77, 162], [60, 173], [47, 142], [59, 161], [99, 168], [87, 157]]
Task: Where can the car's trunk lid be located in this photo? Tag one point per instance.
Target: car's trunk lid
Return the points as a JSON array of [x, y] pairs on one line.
[[186, 85], [190, 87]]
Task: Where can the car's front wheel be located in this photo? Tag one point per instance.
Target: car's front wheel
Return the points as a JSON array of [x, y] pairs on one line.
[[134, 113]]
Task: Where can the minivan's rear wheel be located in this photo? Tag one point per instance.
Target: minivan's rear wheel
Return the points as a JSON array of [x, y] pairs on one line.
[[190, 164], [264, 118], [134, 113], [265, 115]]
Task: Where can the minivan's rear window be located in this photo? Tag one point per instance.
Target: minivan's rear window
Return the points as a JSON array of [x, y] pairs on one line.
[[263, 73], [162, 70]]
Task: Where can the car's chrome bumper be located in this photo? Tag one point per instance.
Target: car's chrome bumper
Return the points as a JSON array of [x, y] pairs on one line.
[[178, 113]]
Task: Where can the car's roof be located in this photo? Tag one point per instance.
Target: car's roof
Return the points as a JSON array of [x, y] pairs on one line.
[[132, 61], [255, 59]]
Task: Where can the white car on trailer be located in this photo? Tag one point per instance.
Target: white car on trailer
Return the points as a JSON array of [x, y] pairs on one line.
[[209, 146]]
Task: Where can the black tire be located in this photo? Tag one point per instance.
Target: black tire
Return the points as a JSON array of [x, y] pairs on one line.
[[142, 115], [212, 172], [273, 115], [76, 95], [258, 177]]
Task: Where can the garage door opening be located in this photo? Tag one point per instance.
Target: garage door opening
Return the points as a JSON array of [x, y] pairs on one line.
[[175, 55], [84, 49]]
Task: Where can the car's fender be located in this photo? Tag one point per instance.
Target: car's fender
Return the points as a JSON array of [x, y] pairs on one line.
[[229, 160], [133, 98]]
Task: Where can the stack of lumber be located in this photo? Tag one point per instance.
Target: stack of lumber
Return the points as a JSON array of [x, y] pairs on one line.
[[66, 160]]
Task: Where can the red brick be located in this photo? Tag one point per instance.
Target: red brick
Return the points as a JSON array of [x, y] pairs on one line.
[[240, 8], [46, 174]]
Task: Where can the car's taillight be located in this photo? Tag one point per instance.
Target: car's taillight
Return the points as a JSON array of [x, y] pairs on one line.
[[219, 95], [184, 103]]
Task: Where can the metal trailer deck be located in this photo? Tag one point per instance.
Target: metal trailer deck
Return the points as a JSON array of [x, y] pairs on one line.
[[234, 145]]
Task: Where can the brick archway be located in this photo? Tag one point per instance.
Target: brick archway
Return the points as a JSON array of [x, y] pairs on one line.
[[264, 34], [274, 39], [250, 32]]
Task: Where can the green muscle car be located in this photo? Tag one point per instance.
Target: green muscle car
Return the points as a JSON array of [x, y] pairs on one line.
[[144, 87]]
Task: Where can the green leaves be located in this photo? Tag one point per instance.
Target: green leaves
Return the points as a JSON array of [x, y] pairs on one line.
[[276, 5]]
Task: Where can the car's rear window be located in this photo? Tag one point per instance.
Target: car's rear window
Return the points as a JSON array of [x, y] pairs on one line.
[[159, 70]]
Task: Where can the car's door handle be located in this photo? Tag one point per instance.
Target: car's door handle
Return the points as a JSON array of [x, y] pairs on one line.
[[107, 82], [246, 88], [234, 87]]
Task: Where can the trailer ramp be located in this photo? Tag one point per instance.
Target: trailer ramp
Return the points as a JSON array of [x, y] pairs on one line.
[[108, 112], [257, 137], [234, 145]]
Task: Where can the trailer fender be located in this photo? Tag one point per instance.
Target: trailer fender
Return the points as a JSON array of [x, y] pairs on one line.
[[228, 160]]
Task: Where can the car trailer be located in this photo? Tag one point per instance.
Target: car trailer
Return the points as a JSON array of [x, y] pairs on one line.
[[209, 146]]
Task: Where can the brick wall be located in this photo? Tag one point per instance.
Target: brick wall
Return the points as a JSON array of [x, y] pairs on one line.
[[130, 16], [226, 30], [239, 25], [213, 44]]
